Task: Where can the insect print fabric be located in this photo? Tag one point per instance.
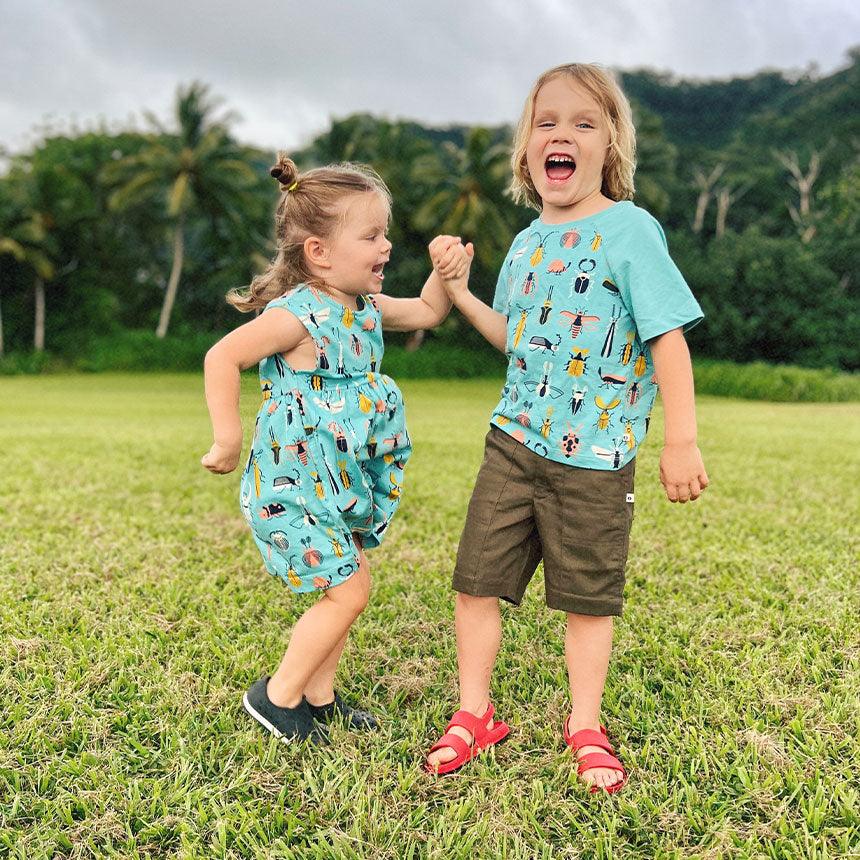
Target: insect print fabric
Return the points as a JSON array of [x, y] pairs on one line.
[[329, 447], [582, 300]]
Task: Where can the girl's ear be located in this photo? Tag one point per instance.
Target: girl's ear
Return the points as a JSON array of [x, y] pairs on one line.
[[316, 252]]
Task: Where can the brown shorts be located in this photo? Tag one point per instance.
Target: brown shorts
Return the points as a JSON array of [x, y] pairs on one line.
[[525, 507]]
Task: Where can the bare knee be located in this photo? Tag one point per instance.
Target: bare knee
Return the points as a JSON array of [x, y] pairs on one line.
[[353, 595], [472, 604]]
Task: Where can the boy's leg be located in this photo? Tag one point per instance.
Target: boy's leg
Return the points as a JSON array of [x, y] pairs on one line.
[[498, 553], [479, 634], [587, 648], [317, 634]]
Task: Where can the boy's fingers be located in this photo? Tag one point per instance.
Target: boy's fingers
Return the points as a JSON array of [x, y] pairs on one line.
[[470, 249]]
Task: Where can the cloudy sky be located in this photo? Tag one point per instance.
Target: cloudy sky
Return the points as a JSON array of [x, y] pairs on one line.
[[287, 67]]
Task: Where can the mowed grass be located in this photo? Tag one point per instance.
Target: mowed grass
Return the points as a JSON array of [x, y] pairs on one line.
[[134, 611]]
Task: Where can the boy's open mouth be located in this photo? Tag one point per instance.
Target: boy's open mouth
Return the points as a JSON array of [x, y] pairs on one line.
[[377, 270], [559, 167]]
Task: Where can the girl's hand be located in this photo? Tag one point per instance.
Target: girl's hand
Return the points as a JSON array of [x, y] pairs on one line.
[[450, 259], [682, 472], [221, 459], [452, 265]]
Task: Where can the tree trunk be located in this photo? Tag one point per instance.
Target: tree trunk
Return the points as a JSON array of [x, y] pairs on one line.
[[705, 184], [39, 328], [173, 282], [723, 200], [414, 340], [726, 196], [1, 332], [802, 216], [701, 207]]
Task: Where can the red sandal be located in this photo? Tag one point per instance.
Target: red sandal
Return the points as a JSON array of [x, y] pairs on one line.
[[590, 760], [482, 738]]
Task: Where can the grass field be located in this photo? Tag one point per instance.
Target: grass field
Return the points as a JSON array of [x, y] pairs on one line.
[[134, 611]]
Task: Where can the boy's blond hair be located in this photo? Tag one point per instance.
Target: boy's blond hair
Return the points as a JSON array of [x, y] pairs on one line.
[[620, 162]]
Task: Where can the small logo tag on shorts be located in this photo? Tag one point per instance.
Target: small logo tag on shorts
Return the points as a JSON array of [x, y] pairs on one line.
[[629, 497]]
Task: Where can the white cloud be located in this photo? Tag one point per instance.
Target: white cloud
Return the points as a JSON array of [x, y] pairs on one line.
[[286, 67]]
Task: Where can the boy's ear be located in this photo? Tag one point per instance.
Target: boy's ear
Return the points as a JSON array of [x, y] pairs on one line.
[[316, 252]]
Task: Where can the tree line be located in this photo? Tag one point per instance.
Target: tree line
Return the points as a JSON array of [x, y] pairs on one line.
[[756, 180]]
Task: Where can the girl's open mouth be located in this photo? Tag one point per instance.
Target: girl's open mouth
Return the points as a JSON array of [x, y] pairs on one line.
[[559, 167], [377, 270]]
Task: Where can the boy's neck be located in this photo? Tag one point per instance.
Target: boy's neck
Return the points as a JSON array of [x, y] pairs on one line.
[[580, 209]]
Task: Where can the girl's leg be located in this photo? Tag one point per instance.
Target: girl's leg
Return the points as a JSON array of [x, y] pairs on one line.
[[316, 636], [319, 689], [479, 635], [587, 647]]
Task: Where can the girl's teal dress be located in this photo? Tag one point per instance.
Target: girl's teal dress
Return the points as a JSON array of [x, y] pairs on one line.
[[329, 447]]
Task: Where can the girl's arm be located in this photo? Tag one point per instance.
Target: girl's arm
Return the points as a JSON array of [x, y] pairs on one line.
[[682, 471], [273, 332], [431, 307]]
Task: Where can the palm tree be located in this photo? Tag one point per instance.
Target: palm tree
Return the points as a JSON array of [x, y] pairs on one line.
[[199, 167], [469, 201], [26, 235], [28, 249]]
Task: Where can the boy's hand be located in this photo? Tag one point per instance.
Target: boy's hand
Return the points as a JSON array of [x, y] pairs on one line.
[[221, 459], [682, 472], [450, 259]]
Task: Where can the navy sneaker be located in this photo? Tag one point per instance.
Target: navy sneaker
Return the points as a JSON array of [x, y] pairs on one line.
[[288, 724], [338, 709]]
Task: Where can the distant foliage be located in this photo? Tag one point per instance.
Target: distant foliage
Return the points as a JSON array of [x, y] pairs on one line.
[[757, 181]]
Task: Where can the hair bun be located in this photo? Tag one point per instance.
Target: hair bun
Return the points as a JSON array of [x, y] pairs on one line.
[[285, 171]]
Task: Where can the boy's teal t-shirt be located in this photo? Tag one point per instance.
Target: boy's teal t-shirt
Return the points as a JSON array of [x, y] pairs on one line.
[[582, 300]]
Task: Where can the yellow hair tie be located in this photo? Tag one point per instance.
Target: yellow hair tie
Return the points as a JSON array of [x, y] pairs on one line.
[[293, 186]]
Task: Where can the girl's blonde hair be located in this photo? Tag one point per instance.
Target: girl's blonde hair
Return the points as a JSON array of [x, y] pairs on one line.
[[309, 205], [620, 162]]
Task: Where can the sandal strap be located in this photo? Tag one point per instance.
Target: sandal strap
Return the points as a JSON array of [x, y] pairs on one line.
[[471, 723], [455, 742], [594, 759], [590, 738]]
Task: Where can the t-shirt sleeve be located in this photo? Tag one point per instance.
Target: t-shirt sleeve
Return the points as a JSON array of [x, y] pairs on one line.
[[502, 296], [652, 288]]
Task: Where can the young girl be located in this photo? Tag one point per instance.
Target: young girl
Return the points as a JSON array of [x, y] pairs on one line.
[[325, 469], [591, 311]]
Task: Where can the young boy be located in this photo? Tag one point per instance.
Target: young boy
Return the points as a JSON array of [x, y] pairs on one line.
[[591, 311]]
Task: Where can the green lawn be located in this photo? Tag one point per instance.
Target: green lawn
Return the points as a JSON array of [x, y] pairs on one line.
[[134, 611]]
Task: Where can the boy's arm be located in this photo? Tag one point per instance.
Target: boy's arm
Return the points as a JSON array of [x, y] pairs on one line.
[[431, 307], [682, 471], [273, 332], [491, 324]]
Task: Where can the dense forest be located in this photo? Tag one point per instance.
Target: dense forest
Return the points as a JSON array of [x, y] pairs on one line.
[[757, 181]]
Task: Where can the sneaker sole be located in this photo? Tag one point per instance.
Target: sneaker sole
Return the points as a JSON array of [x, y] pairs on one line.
[[264, 722]]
